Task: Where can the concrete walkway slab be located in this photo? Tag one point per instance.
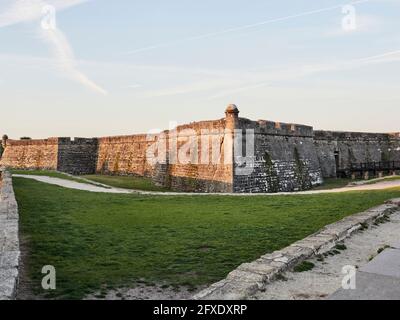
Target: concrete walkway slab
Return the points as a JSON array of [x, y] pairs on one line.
[[396, 245], [73, 184], [387, 264], [377, 280], [371, 286]]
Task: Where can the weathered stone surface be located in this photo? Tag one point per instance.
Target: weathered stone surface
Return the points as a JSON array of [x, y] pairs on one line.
[[260, 268], [284, 159], [9, 259], [354, 147], [9, 242], [246, 276], [8, 283], [286, 257], [78, 156], [317, 242], [370, 287], [212, 290], [387, 263], [31, 154]]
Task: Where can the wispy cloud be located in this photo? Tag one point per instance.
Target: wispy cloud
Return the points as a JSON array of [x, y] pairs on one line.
[[66, 60], [233, 83], [309, 70], [17, 11], [134, 86], [245, 27], [31, 10]]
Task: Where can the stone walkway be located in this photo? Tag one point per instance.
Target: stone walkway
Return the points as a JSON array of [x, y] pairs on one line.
[[377, 279], [92, 188], [72, 184]]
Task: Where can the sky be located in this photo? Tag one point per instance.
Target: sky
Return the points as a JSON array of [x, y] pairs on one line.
[[127, 66]]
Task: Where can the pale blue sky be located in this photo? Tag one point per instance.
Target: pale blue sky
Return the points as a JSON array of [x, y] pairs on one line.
[[139, 65]]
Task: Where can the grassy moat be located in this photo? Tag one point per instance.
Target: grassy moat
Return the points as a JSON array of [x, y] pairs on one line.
[[100, 241], [124, 182]]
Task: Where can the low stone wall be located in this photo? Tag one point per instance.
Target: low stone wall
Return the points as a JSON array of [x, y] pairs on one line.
[[9, 242], [249, 278]]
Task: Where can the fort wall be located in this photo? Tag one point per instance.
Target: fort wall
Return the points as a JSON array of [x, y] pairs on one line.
[[211, 156], [285, 158], [123, 155], [78, 156], [31, 154], [203, 167], [128, 155], [337, 150]]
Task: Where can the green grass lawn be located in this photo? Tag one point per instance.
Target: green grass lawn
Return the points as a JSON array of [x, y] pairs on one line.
[[126, 182], [99, 241], [388, 178], [333, 183]]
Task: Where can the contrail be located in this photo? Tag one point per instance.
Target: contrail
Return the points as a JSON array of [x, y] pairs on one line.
[[31, 10], [66, 60], [343, 65], [390, 53], [241, 28]]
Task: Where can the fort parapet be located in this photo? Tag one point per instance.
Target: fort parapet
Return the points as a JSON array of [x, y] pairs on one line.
[[219, 155]]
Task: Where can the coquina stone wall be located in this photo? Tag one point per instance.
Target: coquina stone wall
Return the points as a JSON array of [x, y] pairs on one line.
[[78, 156], [208, 165], [30, 154], [287, 157], [353, 147], [123, 155], [187, 171], [9, 242]]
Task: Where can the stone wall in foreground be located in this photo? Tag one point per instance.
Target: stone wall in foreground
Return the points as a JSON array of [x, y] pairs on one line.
[[9, 242]]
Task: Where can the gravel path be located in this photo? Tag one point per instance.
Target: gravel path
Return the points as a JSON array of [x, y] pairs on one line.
[[326, 277], [72, 184], [92, 188]]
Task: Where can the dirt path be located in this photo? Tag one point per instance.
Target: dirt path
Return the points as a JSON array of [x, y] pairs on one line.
[[326, 277], [92, 188]]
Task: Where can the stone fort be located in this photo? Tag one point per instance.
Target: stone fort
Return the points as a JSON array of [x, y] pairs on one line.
[[286, 157]]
